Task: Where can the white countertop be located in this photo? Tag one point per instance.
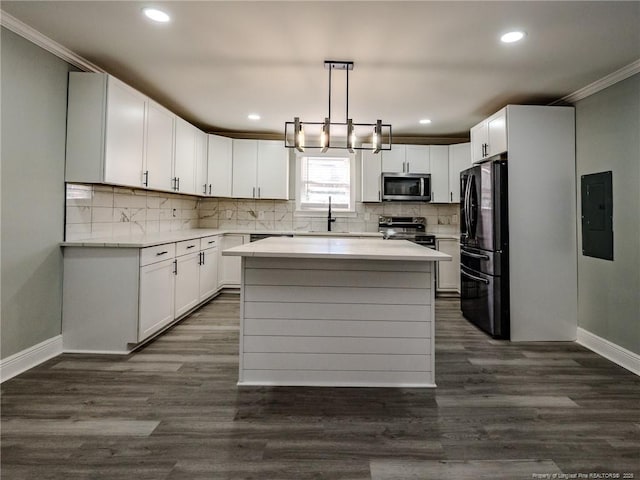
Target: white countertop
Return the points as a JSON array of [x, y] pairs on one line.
[[337, 248], [152, 239]]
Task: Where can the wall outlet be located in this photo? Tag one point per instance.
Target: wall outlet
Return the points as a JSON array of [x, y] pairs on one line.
[[229, 214]]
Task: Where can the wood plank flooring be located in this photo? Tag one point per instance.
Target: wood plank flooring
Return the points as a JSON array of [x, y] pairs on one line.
[[173, 411]]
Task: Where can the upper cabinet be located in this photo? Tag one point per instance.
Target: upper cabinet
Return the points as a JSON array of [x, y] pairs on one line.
[[489, 137], [105, 131], [202, 167], [184, 162], [371, 170], [260, 169], [445, 164], [406, 158], [459, 159], [439, 160], [158, 164], [219, 166]]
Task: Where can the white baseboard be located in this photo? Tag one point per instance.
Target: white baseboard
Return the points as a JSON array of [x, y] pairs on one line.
[[30, 357], [609, 350]]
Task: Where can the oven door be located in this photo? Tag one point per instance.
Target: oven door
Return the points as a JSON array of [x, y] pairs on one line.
[[483, 303]]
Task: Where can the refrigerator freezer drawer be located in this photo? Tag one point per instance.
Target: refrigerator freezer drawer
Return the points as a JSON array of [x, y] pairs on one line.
[[484, 300]]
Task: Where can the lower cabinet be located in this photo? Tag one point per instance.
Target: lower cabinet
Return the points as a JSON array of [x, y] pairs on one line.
[[230, 266], [157, 283], [448, 274], [187, 293], [115, 298]]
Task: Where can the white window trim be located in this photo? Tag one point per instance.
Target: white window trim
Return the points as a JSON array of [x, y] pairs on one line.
[[352, 173]]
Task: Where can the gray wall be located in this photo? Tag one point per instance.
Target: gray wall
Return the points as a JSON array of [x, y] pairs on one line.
[[608, 138], [34, 102]]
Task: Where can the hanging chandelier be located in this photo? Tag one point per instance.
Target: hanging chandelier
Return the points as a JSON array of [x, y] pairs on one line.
[[328, 134]]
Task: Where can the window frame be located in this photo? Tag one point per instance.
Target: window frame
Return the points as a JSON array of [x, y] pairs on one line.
[[332, 153]]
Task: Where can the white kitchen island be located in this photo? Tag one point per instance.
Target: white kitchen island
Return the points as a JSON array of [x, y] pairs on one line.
[[337, 312]]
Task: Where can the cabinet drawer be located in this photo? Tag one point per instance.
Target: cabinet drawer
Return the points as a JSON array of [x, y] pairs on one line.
[[209, 242], [187, 246], [158, 253]]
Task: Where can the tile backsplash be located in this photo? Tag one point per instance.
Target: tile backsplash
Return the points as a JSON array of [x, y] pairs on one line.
[[103, 211]]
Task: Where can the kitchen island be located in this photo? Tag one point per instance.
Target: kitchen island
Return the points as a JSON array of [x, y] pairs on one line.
[[337, 312]]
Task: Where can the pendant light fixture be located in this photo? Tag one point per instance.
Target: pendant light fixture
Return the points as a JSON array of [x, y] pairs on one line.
[[346, 135]]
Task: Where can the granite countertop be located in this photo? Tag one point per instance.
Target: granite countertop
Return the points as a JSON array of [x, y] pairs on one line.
[[152, 239], [337, 248]]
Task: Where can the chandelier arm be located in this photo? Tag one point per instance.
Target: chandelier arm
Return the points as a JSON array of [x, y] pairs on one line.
[[347, 101], [330, 69]]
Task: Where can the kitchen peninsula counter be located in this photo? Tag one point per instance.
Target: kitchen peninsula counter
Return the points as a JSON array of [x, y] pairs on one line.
[[337, 312]]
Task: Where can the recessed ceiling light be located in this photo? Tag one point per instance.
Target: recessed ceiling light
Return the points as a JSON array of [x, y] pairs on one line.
[[253, 116], [425, 121], [511, 37], [156, 15]]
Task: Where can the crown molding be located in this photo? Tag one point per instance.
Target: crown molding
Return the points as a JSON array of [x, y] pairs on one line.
[[605, 82], [34, 36]]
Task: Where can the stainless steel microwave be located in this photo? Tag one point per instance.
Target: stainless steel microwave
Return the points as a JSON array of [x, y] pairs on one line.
[[412, 187]]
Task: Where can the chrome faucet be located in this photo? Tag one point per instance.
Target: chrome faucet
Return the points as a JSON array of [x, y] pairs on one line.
[[330, 220]]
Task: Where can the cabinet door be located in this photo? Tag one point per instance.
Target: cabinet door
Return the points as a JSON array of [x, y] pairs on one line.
[[394, 160], [187, 282], [202, 187], [208, 273], [245, 164], [273, 170], [440, 173], [418, 158], [449, 272], [219, 161], [479, 138], [459, 159], [159, 147], [371, 170], [156, 304], [124, 138], [184, 169], [230, 267], [497, 133]]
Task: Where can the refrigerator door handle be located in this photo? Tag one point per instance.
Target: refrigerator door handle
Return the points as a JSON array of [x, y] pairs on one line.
[[474, 255], [473, 277], [467, 193]]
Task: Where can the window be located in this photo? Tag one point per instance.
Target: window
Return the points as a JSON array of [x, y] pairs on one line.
[[322, 176]]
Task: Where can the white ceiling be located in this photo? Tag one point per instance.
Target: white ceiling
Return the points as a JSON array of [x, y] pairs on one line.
[[218, 61]]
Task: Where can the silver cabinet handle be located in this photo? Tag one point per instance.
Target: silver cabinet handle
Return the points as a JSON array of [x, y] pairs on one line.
[[473, 277], [474, 255]]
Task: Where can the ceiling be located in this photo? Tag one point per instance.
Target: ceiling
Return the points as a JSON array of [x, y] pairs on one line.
[[217, 61]]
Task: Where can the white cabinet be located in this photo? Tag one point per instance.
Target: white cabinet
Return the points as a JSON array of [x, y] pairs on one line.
[[187, 293], [448, 276], [230, 266], [156, 301], [459, 160], [208, 268], [159, 147], [219, 166], [406, 158], [371, 169], [260, 169], [439, 173], [489, 137], [105, 131], [202, 182], [184, 166], [418, 158], [394, 160]]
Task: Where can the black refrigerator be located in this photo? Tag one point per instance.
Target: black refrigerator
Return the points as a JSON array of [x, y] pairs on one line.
[[484, 246]]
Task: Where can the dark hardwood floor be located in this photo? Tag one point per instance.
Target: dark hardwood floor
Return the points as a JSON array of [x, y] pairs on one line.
[[173, 411]]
